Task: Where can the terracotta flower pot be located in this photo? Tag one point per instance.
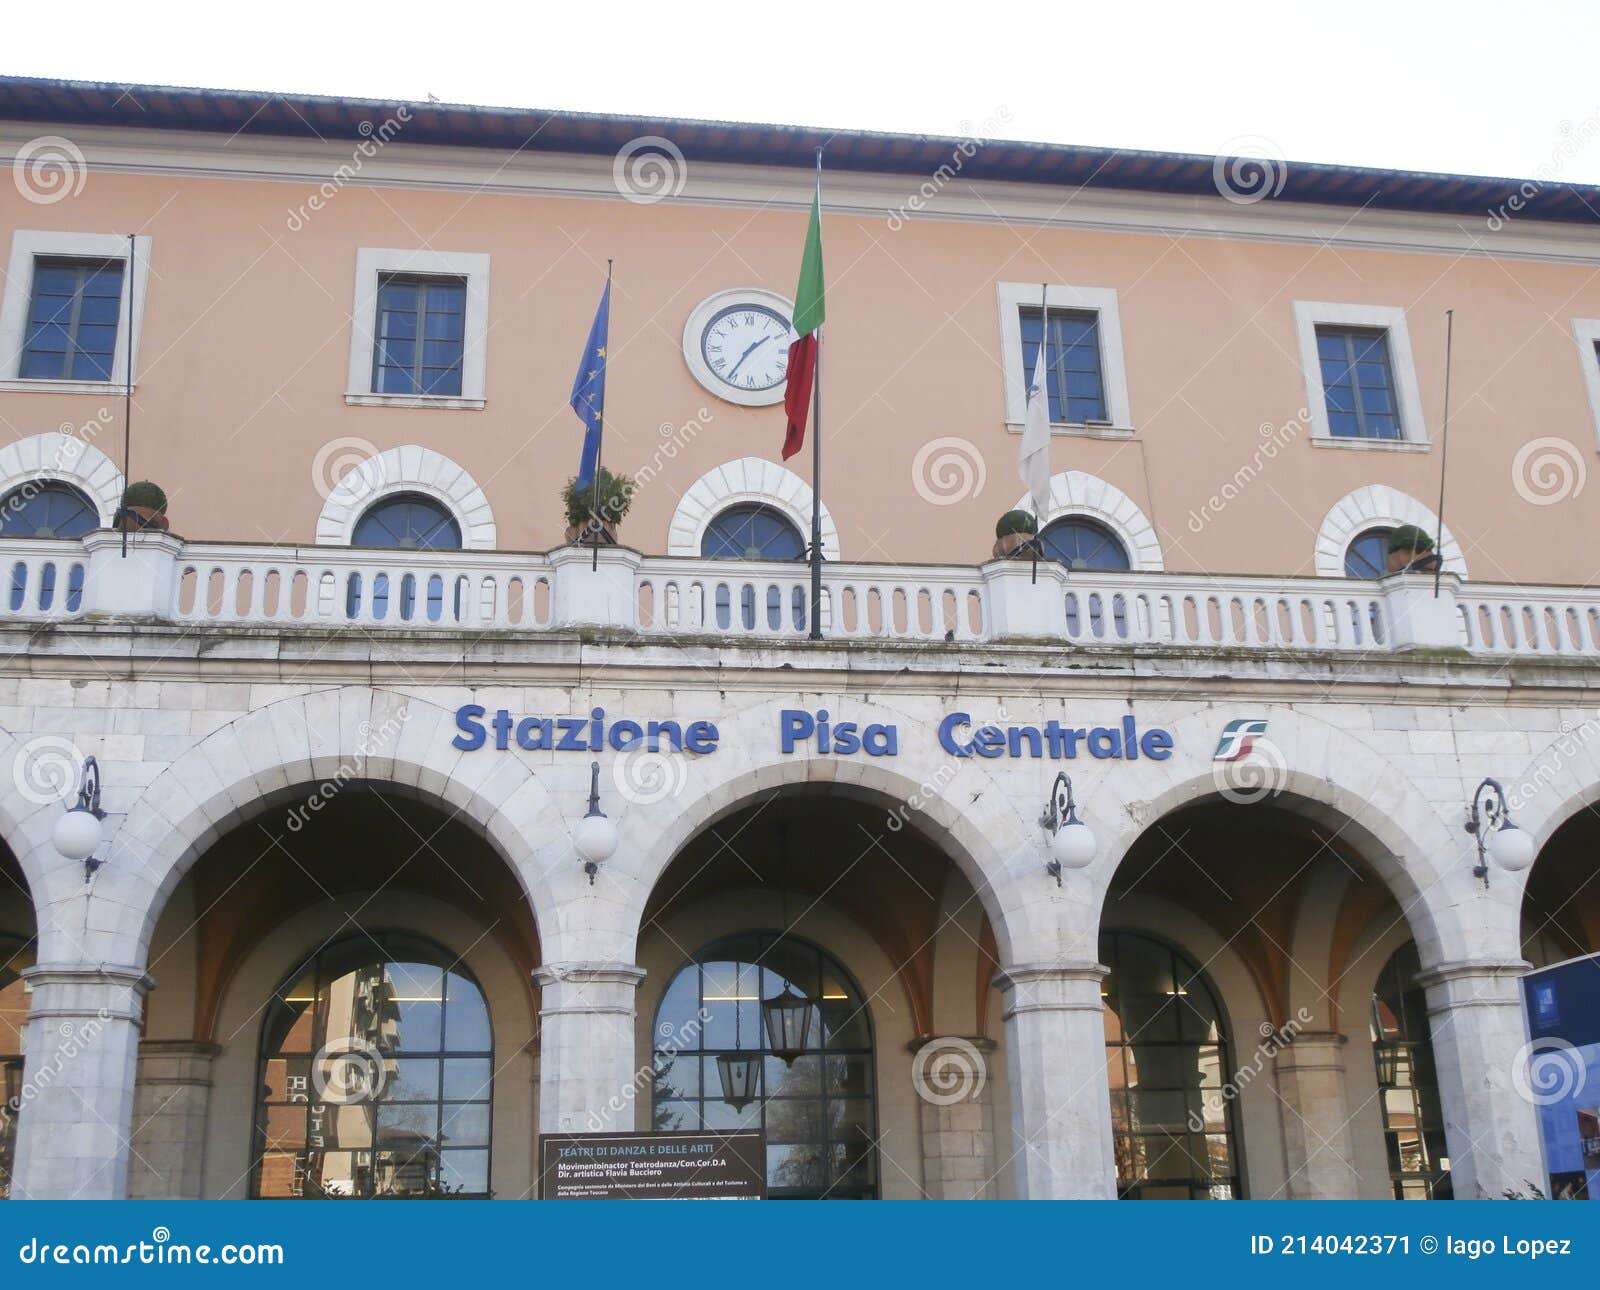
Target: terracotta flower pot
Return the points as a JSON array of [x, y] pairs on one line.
[[135, 519], [583, 535], [1011, 544], [1402, 558]]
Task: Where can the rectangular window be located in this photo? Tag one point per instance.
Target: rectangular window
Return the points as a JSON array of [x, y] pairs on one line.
[[419, 338], [1072, 364], [72, 320], [1358, 383]]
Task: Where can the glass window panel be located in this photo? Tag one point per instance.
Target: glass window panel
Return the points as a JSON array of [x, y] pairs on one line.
[[794, 1120], [466, 1017], [411, 1079], [850, 1119], [284, 1126], [719, 1115], [796, 1168], [279, 1175], [678, 1076], [850, 1076], [465, 1124], [1158, 1110], [804, 1077], [673, 1116], [467, 1079], [333, 1125], [465, 1171]]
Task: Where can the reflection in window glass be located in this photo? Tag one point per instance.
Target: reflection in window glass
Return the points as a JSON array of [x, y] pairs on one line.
[[1166, 1061], [1408, 1087], [376, 1077], [819, 1113]]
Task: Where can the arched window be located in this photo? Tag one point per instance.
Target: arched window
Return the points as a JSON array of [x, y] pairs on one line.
[[405, 522], [1367, 556], [752, 532], [409, 521], [15, 955], [47, 509], [376, 1070], [1408, 1087], [1081, 543], [819, 1113], [1167, 1061]]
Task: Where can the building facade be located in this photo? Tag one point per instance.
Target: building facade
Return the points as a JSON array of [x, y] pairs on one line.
[[350, 708]]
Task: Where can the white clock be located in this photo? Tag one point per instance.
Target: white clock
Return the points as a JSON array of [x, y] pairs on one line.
[[737, 345]]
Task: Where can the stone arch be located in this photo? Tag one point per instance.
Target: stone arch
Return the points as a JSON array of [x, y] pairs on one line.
[[986, 837], [1378, 505], [749, 479], [62, 455], [1074, 492], [273, 754], [410, 469], [1325, 774]]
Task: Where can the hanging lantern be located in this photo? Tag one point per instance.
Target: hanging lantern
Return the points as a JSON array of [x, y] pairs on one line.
[[788, 1018], [739, 1073]]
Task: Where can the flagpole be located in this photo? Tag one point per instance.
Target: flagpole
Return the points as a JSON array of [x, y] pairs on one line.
[[1044, 348], [599, 445], [816, 464], [127, 402], [1444, 453]]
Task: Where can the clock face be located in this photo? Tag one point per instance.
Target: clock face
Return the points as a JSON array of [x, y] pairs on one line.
[[736, 344], [747, 347]]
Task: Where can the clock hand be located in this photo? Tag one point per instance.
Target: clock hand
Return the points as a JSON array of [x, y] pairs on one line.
[[755, 345]]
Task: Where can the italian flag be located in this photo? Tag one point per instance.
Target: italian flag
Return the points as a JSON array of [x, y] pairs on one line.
[[808, 316]]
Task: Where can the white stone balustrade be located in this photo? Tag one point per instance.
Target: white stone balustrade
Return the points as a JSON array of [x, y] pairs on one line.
[[166, 578]]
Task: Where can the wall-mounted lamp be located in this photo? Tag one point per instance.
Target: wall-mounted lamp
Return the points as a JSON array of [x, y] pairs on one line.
[[1489, 822], [1072, 842], [595, 837], [79, 831]]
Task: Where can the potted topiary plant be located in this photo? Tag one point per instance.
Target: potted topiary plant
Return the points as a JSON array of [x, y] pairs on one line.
[[1411, 551], [144, 507], [594, 514], [1014, 534]]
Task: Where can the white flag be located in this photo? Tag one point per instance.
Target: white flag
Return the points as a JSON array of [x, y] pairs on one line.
[[1034, 463]]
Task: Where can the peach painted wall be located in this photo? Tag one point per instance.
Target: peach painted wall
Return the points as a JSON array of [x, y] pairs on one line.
[[247, 331]]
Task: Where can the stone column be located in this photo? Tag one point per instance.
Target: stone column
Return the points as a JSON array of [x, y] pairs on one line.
[[1479, 1036], [1060, 1101], [956, 1107], [77, 1087], [1316, 1117], [589, 1076], [170, 1103]]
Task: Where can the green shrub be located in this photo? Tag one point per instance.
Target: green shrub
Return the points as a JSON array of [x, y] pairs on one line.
[[147, 495], [1016, 522], [615, 496]]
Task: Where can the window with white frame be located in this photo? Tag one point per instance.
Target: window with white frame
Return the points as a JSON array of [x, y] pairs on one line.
[[419, 328], [64, 316], [1086, 375], [1361, 383]]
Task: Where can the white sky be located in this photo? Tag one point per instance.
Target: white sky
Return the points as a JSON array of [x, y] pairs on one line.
[[1487, 88]]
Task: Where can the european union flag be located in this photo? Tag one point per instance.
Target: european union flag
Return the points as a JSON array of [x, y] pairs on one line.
[[589, 391]]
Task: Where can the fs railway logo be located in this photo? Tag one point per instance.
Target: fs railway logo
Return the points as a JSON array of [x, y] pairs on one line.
[[1239, 738]]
